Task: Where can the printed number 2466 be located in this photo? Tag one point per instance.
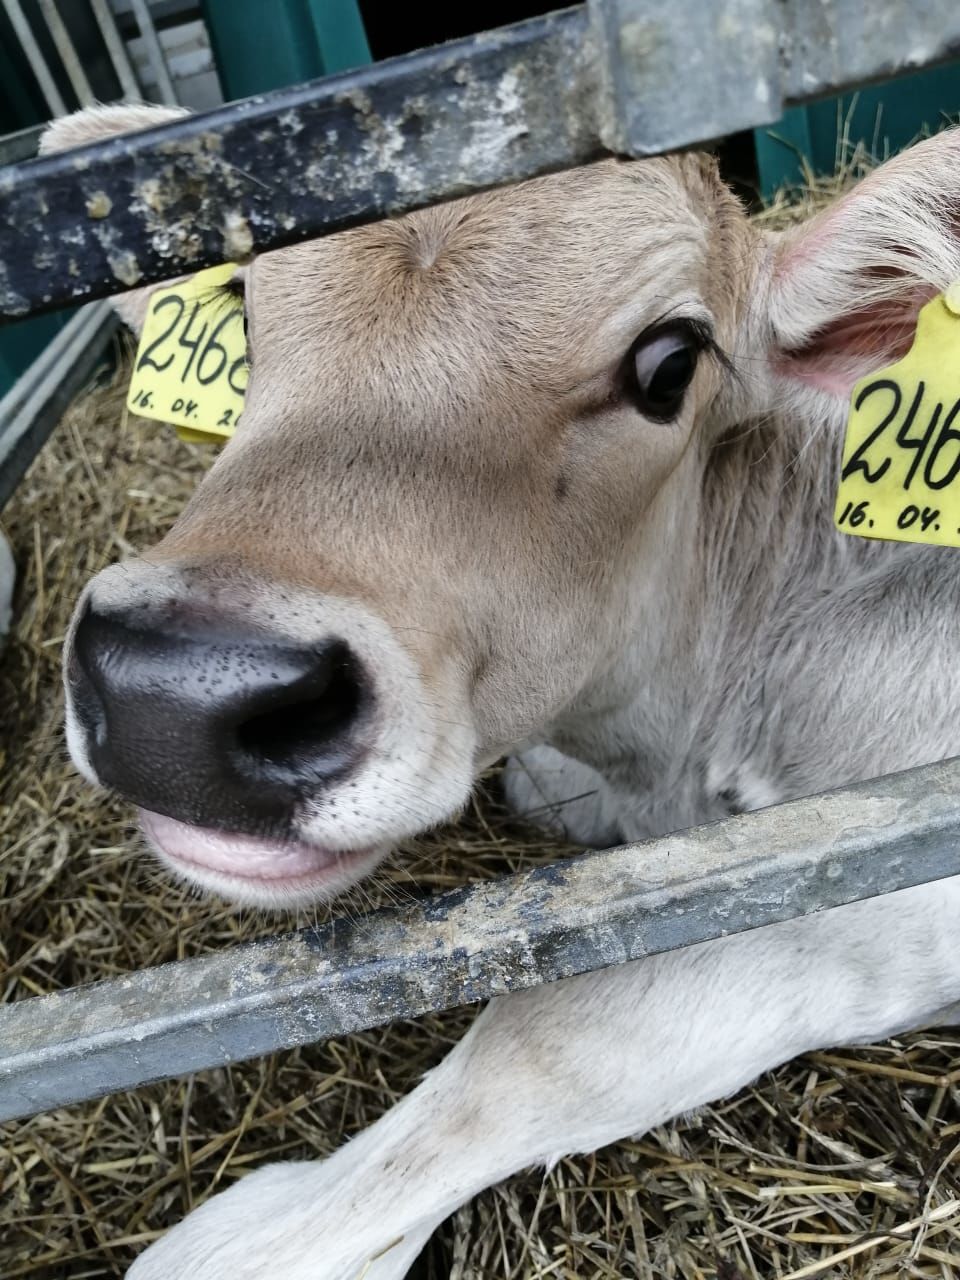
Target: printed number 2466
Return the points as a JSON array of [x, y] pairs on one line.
[[205, 354]]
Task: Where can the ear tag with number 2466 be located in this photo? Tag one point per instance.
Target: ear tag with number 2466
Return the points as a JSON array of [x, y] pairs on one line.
[[900, 477], [191, 365]]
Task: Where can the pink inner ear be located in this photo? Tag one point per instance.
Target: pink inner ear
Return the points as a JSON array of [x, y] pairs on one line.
[[856, 344]]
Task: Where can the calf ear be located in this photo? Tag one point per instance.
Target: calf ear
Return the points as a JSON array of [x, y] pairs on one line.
[[94, 124], [845, 288]]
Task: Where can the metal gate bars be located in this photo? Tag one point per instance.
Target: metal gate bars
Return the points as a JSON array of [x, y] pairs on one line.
[[621, 75]]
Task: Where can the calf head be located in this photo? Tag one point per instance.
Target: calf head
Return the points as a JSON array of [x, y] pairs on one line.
[[464, 488]]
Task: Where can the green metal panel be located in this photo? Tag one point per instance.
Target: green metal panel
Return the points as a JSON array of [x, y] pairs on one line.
[[260, 45], [340, 34], [883, 118], [21, 102], [23, 342]]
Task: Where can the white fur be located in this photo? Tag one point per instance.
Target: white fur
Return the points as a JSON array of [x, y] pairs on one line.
[[562, 795]]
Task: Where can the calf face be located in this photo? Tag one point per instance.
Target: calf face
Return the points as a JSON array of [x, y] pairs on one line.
[[471, 444]]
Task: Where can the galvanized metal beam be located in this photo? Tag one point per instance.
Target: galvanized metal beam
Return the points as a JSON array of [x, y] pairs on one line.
[[587, 913], [544, 95], [37, 400], [68, 54], [686, 71], [831, 45], [154, 48], [117, 49], [21, 145]]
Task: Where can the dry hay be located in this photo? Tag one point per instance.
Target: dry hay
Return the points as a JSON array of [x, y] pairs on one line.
[[823, 1167]]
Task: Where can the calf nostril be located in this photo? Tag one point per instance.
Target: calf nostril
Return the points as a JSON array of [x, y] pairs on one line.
[[315, 730], [87, 703], [215, 727]]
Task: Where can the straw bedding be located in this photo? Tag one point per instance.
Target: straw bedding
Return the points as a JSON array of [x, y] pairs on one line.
[[841, 1164]]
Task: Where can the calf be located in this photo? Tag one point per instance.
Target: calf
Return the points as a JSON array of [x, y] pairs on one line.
[[548, 469]]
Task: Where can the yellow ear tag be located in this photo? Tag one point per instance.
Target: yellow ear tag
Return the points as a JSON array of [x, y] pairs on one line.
[[900, 477], [191, 366]]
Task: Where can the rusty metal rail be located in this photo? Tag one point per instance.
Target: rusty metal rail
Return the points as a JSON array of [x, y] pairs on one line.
[[553, 922], [622, 75]]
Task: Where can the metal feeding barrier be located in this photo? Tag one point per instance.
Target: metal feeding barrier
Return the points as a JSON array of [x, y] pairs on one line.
[[615, 75], [553, 922]]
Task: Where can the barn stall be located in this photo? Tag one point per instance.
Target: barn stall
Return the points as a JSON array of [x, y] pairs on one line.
[[837, 1164]]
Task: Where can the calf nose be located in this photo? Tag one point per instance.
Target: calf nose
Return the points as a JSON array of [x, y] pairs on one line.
[[221, 730]]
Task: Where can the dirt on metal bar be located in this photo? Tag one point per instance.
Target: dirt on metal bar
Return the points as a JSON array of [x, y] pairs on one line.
[[296, 163]]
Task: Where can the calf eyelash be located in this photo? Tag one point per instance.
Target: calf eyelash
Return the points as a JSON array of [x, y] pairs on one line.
[[230, 293]]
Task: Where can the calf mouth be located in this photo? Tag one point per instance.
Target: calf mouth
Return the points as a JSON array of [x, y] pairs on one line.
[[256, 870], [277, 746]]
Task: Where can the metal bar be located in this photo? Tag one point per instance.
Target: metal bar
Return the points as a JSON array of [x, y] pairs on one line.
[[587, 913], [295, 163], [36, 402], [724, 55], [158, 60], [38, 64], [116, 49], [406, 133], [68, 54], [830, 45], [21, 145]]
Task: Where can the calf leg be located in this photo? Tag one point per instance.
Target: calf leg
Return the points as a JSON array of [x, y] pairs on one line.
[[570, 1067], [563, 796]]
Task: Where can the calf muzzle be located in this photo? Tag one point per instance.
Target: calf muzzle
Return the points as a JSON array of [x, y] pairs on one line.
[[214, 727]]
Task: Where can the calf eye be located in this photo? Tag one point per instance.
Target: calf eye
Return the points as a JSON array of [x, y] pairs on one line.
[[660, 368]]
